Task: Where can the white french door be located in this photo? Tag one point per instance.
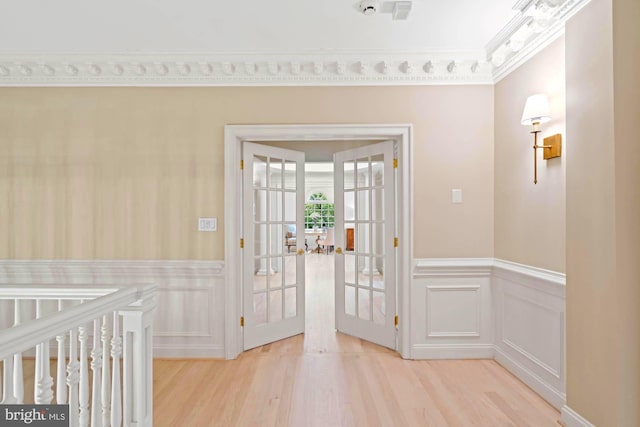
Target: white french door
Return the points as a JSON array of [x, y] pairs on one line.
[[273, 273], [365, 263]]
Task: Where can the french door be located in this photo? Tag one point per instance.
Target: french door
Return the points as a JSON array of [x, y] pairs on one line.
[[273, 273], [365, 288]]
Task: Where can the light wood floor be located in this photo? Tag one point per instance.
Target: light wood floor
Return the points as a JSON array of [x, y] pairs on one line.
[[324, 378]]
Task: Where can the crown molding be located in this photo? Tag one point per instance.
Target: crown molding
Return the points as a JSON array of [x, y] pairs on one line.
[[246, 69], [538, 23]]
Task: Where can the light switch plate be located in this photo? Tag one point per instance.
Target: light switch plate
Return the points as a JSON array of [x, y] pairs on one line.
[[207, 224], [456, 195]]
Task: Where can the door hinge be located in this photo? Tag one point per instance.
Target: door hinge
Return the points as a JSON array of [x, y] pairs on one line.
[[241, 243], [242, 321], [395, 242], [395, 320], [395, 163], [241, 164]]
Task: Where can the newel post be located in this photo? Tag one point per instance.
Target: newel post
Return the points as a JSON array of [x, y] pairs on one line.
[[137, 360]]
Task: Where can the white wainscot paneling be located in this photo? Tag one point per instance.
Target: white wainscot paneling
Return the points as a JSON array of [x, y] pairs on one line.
[[189, 317], [529, 309], [451, 309]]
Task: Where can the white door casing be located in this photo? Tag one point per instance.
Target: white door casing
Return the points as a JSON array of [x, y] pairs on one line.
[[365, 278], [273, 279], [234, 138]]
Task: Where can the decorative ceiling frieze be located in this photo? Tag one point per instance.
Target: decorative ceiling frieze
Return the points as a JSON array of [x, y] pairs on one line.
[[244, 70], [536, 24]]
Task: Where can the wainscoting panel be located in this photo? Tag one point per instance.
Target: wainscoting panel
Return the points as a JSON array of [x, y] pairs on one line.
[[451, 309], [487, 308], [189, 318], [529, 313]]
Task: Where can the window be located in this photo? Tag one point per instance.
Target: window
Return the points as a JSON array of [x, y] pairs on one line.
[[318, 212]]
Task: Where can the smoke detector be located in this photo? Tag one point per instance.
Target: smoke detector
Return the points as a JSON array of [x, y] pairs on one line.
[[369, 7]]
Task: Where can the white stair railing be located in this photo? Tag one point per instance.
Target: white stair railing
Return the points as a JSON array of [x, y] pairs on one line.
[[112, 403]]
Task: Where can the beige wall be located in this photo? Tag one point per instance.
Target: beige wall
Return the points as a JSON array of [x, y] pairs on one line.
[[603, 211], [530, 219], [124, 173], [626, 92]]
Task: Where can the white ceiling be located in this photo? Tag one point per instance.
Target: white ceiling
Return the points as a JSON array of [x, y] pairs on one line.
[[270, 42], [140, 26]]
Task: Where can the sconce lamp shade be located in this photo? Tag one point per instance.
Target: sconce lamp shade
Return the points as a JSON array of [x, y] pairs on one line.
[[536, 110]]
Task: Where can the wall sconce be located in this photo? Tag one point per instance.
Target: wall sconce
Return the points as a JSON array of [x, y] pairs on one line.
[[536, 111]]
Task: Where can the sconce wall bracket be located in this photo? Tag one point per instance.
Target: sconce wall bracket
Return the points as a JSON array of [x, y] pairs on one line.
[[552, 146]]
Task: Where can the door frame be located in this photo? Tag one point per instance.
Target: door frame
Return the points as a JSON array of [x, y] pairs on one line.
[[235, 135]]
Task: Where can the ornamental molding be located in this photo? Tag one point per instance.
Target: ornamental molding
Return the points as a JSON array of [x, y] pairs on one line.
[[536, 25], [201, 69]]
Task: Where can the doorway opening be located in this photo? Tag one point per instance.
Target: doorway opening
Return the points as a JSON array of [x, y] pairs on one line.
[[318, 220]]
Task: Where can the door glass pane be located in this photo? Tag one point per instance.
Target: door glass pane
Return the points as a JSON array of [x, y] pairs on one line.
[[259, 171], [275, 173], [290, 264], [363, 205], [260, 308], [364, 271], [349, 206], [260, 239], [289, 206], [377, 170], [350, 269], [379, 309], [378, 276], [364, 306], [275, 281], [290, 238], [275, 205], [377, 204], [348, 175], [275, 308], [290, 175], [260, 205], [277, 239], [290, 302], [377, 238], [350, 300], [362, 237], [260, 277], [362, 172]]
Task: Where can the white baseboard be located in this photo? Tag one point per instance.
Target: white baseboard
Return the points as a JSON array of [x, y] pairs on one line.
[[452, 351], [555, 397], [572, 419], [170, 351]]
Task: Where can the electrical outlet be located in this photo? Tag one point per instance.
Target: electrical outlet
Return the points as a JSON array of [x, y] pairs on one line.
[[207, 224]]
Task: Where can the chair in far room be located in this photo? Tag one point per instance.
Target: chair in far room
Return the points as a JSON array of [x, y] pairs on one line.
[[327, 243], [291, 240]]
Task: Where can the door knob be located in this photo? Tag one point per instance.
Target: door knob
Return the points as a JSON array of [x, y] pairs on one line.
[[339, 250], [300, 251]]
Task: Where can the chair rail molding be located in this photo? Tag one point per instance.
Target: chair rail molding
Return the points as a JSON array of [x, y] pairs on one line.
[[189, 319]]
